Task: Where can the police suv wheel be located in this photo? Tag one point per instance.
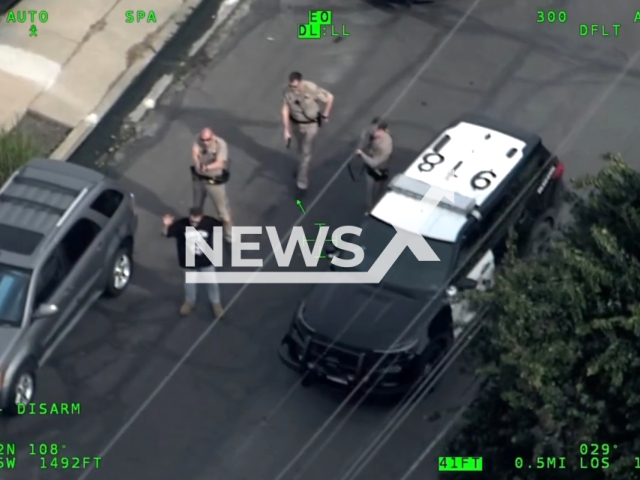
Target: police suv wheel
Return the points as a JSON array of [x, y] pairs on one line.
[[21, 392], [430, 361], [540, 239], [119, 275], [434, 354]]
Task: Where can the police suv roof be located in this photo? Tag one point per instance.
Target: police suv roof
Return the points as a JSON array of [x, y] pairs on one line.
[[35, 201], [474, 158]]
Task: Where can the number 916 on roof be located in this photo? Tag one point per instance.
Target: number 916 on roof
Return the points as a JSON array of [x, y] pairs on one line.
[[469, 160]]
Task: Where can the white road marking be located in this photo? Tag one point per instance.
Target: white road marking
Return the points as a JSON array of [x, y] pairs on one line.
[[25, 64]]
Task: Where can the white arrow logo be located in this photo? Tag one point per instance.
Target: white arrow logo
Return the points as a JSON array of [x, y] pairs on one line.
[[401, 240]]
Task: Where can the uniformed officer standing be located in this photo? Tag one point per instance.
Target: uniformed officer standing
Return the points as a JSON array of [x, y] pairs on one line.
[[210, 173], [375, 153], [301, 117]]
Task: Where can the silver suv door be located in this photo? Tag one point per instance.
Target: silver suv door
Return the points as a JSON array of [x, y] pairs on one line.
[[50, 290], [81, 254], [107, 209]]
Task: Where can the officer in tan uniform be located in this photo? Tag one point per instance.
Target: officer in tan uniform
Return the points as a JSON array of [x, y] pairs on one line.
[[375, 153], [301, 117], [210, 173]]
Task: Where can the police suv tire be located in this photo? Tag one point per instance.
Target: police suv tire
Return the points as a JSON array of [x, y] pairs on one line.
[[540, 238], [430, 360], [116, 284], [10, 409]]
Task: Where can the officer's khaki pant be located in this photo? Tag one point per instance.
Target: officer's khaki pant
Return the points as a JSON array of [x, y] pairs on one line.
[[304, 134], [374, 190], [218, 195]]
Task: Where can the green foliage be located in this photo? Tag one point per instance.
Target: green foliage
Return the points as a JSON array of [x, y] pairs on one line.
[[16, 149], [561, 350]]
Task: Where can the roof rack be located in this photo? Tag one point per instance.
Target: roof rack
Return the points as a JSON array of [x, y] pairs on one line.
[[417, 189], [73, 205], [9, 181]]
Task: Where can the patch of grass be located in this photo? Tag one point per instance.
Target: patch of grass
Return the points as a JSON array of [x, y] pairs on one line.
[[16, 149]]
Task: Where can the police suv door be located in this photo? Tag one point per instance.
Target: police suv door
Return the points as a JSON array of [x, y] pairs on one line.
[[482, 273]]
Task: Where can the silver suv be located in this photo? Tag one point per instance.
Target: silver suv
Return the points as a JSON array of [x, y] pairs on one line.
[[66, 238]]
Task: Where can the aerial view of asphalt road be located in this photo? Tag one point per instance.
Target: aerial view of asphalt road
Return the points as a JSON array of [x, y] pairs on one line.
[[232, 411]]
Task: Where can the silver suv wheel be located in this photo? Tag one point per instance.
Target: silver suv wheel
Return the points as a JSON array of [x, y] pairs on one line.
[[25, 387], [122, 272]]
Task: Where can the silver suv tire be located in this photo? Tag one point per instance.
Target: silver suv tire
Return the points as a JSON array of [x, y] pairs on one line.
[[120, 272], [22, 390]]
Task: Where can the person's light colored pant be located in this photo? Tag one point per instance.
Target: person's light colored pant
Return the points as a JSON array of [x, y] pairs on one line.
[[304, 133], [375, 188], [191, 289], [218, 195]]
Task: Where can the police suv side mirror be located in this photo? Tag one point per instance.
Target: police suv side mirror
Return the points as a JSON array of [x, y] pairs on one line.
[[467, 284]]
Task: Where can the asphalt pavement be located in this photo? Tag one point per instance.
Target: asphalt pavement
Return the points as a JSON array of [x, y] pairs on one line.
[[232, 411]]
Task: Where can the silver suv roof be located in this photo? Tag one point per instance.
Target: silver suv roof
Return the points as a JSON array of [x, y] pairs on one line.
[[35, 201]]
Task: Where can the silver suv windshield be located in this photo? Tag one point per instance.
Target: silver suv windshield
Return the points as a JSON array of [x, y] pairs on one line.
[[407, 272], [14, 284]]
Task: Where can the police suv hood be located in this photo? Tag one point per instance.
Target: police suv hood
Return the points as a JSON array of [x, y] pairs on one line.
[[363, 316]]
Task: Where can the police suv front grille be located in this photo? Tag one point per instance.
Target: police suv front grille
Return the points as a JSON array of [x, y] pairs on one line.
[[339, 360], [334, 358]]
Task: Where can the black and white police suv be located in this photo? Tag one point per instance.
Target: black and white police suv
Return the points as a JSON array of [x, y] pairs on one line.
[[341, 332]]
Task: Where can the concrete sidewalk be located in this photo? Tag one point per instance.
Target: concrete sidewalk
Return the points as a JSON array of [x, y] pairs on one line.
[[83, 57]]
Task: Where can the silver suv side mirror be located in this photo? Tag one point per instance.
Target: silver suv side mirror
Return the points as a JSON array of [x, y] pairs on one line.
[[45, 310]]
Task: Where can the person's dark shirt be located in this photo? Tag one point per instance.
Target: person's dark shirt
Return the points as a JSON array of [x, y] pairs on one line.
[[178, 230]]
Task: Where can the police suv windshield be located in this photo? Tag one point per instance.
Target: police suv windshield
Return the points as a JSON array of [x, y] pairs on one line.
[[14, 284], [407, 271]]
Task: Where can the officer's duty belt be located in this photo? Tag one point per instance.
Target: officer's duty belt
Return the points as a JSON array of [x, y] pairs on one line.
[[302, 123]]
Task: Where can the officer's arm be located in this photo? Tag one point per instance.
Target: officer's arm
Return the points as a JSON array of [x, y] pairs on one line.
[[195, 156], [285, 117], [328, 104], [221, 156], [381, 156], [365, 137], [326, 97]]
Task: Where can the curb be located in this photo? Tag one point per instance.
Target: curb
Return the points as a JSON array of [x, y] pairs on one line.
[[80, 132]]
